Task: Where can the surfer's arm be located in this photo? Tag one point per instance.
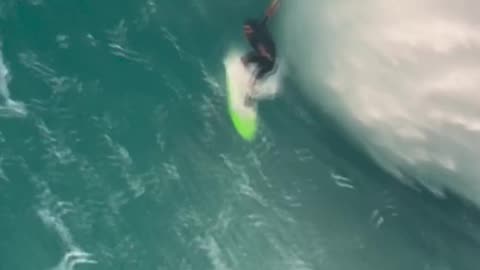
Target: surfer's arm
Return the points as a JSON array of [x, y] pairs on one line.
[[270, 11]]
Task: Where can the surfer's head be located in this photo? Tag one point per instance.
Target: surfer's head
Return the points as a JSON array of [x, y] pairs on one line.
[[249, 27]]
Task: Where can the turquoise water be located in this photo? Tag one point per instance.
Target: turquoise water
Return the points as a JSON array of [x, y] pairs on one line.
[[116, 152]]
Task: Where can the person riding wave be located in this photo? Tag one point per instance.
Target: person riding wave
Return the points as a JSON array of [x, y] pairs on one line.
[[263, 55]]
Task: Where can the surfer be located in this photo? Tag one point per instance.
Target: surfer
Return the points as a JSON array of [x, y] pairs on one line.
[[264, 52]]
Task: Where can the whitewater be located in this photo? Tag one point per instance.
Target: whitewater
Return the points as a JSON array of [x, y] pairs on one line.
[[402, 78]]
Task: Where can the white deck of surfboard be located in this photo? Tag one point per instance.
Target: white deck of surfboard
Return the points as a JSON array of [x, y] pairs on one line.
[[240, 78]]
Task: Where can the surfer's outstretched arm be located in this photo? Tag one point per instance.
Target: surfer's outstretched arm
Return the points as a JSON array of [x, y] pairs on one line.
[[270, 11]]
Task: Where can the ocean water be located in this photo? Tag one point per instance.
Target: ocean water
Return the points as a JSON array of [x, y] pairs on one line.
[[117, 152]]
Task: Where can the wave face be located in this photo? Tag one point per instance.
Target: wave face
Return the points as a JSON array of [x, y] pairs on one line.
[[403, 78]]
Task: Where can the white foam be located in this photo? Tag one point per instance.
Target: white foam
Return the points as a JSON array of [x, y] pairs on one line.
[[214, 252], [73, 255], [52, 211], [8, 107], [54, 222], [3, 175], [73, 258], [270, 86], [402, 76]]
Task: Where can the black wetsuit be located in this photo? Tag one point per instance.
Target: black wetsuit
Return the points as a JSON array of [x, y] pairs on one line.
[[264, 51]]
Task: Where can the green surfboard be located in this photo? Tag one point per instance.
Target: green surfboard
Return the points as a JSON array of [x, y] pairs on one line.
[[244, 118]]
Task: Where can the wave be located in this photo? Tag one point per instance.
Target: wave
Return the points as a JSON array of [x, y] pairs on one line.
[[402, 77]]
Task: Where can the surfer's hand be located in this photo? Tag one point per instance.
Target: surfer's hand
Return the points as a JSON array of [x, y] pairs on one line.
[[272, 9]]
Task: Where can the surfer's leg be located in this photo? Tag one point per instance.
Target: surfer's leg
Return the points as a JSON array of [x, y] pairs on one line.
[[249, 58], [251, 62], [265, 66]]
